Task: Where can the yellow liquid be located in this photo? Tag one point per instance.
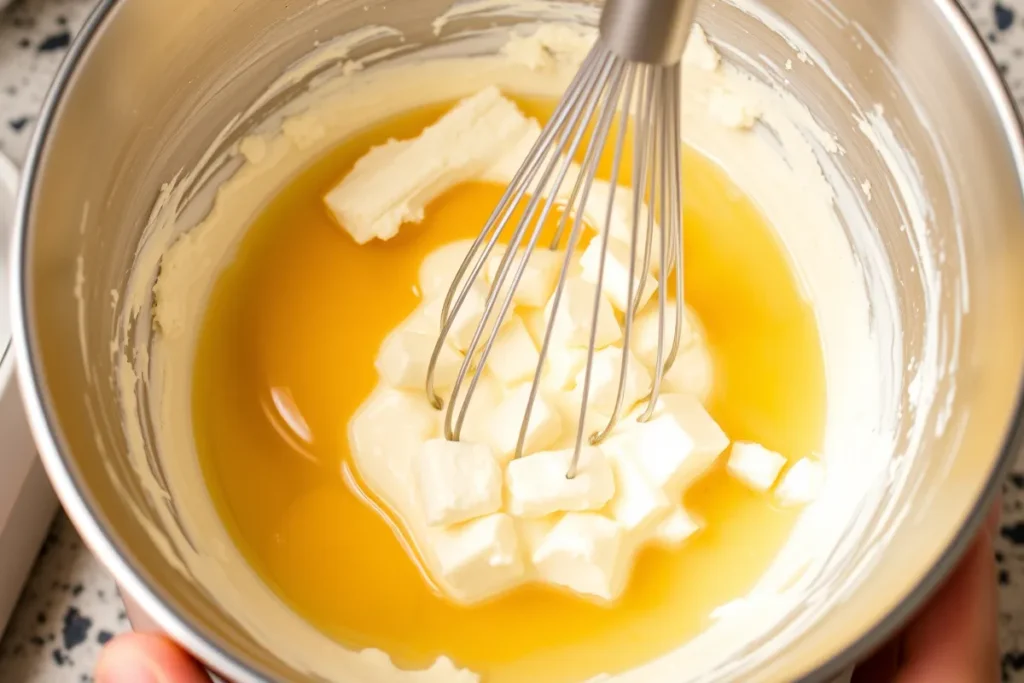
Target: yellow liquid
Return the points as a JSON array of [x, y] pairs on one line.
[[286, 356]]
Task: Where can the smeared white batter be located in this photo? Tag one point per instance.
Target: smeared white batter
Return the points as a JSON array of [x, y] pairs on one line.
[[179, 261]]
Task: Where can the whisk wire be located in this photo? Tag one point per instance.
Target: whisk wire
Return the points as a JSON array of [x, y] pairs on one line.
[[589, 166], [647, 96], [671, 233], [644, 98], [640, 167], [564, 128], [620, 143], [499, 216]]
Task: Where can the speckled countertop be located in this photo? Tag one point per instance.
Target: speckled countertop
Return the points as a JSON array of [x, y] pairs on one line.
[[70, 607]]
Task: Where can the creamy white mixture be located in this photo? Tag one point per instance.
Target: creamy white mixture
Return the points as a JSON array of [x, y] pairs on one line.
[[482, 521], [179, 261]]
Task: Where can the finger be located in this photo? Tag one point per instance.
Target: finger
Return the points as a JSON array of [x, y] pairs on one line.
[[146, 658], [955, 639]]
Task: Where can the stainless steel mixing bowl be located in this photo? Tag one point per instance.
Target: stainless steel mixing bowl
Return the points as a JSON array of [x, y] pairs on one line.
[[149, 83]]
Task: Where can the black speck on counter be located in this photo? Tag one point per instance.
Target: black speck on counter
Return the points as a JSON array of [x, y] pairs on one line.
[[1012, 662], [104, 637], [1014, 533], [18, 123], [1004, 16], [76, 628], [55, 41]]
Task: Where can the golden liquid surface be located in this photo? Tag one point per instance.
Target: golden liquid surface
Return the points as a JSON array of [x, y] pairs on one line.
[[286, 356]]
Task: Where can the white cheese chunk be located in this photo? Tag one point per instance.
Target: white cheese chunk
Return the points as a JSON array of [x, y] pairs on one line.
[[479, 559], [392, 426], [544, 428], [692, 373], [404, 359], [426, 319], [457, 481], [532, 532], [700, 52], [575, 315], [487, 396], [570, 408], [393, 184], [538, 486], [437, 272], [467, 317], [638, 505], [536, 324], [539, 278], [513, 358], [733, 110], [676, 447], [504, 169], [561, 368], [754, 465], [676, 528], [561, 364], [616, 280], [584, 553], [620, 227], [644, 335], [801, 484], [605, 376]]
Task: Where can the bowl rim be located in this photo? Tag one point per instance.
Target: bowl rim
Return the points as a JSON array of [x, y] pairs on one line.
[[209, 648]]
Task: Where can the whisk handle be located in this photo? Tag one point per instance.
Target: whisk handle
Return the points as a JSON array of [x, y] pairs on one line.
[[648, 31]]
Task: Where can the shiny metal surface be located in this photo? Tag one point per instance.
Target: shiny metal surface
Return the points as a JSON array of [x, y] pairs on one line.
[[648, 31], [149, 84]]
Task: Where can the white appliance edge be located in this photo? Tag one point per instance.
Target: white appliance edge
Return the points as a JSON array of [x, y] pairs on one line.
[[27, 502]]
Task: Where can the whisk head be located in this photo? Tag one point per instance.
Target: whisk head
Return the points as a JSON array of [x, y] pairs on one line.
[[610, 96]]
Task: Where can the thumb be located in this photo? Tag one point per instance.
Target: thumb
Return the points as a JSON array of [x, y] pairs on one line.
[[147, 658], [955, 638]]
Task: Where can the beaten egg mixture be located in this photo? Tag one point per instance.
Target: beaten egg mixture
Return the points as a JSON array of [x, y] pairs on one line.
[[286, 356]]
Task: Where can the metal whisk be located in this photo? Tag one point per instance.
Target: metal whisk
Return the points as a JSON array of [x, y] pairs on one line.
[[632, 74]]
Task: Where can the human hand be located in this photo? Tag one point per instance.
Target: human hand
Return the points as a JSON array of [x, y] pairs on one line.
[[953, 639], [147, 658]]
